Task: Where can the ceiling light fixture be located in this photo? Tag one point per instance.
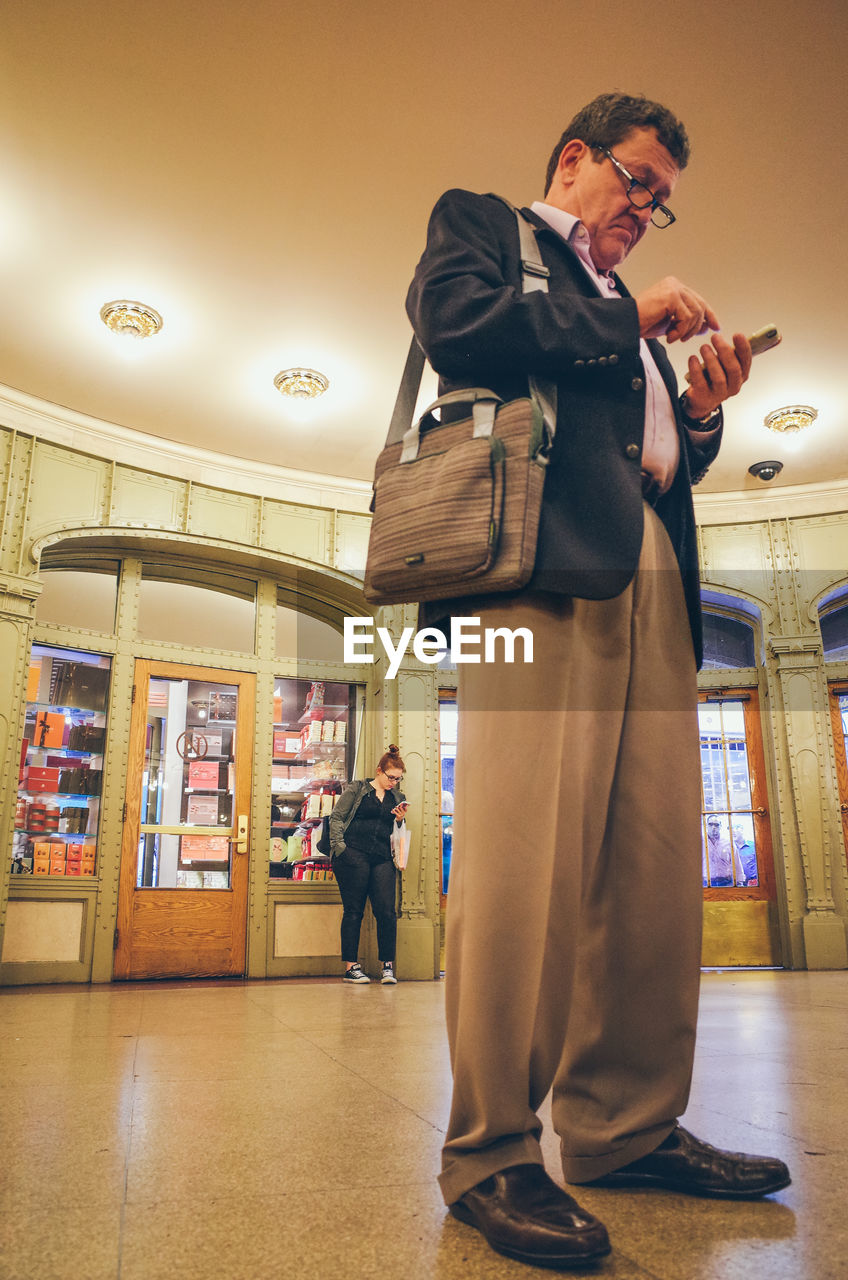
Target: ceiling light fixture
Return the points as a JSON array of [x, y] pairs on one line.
[[301, 384], [134, 319], [793, 417]]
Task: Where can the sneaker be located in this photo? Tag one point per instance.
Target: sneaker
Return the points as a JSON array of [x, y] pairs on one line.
[[355, 974], [388, 974]]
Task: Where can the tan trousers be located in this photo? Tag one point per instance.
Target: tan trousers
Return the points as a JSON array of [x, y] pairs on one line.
[[574, 910]]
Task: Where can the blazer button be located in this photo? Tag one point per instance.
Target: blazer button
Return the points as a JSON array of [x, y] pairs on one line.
[[637, 384], [602, 360], [591, 363], [632, 451], [578, 364], [613, 359]]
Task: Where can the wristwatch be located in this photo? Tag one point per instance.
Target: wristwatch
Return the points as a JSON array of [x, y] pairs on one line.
[[703, 424]]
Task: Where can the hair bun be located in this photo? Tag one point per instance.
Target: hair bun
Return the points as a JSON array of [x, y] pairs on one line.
[[393, 748]]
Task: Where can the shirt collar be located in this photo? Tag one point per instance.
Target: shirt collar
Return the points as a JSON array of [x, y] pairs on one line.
[[571, 229]]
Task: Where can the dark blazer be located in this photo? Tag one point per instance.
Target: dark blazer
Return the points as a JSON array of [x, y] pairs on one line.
[[344, 811], [478, 328]]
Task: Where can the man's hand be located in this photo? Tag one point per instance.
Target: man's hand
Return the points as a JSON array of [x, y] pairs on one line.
[[671, 309], [718, 374]]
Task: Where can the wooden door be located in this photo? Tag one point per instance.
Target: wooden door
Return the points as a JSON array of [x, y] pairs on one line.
[[740, 900], [182, 901]]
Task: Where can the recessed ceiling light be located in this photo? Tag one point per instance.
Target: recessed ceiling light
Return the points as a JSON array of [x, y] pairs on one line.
[[134, 319], [793, 417], [302, 384]]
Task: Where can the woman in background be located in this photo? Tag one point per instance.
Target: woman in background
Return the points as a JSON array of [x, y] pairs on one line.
[[360, 845]]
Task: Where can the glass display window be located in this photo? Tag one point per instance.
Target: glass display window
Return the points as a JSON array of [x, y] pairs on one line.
[[57, 816], [313, 757], [733, 828]]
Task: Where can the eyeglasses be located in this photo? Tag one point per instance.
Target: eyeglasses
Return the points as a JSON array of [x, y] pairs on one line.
[[393, 777], [640, 196]]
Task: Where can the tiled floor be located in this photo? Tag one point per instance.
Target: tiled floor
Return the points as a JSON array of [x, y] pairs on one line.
[[276, 1130]]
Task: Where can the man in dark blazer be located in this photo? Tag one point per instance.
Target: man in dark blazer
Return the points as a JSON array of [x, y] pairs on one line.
[[573, 942]]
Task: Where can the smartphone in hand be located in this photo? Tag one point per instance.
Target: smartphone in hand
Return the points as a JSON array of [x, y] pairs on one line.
[[763, 340]]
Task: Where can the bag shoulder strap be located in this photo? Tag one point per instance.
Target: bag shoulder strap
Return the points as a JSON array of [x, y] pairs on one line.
[[534, 278]]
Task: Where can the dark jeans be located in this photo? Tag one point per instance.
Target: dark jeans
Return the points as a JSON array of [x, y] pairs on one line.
[[359, 879]]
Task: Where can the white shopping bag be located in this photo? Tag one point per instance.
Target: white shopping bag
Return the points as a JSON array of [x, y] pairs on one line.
[[400, 845]]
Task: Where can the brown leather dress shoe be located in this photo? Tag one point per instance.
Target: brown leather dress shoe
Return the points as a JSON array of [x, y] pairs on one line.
[[684, 1163], [522, 1213]]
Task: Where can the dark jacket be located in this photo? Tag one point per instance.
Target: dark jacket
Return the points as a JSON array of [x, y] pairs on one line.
[[478, 328], [345, 809]]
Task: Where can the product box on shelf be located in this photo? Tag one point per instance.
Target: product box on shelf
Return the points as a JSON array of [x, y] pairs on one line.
[[87, 869], [36, 817], [41, 866], [203, 774], [214, 739], [81, 781], [202, 811], [49, 729], [73, 821], [82, 686], [33, 681], [39, 778], [341, 731], [87, 737], [57, 866], [51, 817]]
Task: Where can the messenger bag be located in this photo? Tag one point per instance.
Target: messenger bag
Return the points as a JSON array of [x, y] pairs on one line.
[[456, 504]]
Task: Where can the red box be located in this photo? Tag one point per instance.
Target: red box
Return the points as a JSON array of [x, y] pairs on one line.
[[73, 869], [203, 774], [73, 857], [40, 779]]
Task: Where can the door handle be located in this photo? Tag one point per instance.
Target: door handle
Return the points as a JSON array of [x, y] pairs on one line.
[[761, 812], [241, 833]]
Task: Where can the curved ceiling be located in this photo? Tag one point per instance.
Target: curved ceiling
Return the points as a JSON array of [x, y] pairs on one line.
[[262, 176]]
